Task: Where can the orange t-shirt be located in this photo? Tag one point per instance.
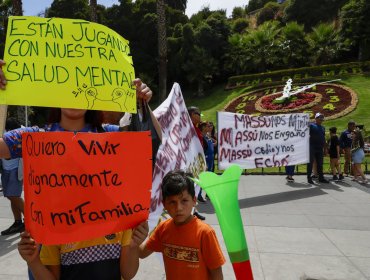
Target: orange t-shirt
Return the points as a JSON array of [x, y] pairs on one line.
[[189, 251]]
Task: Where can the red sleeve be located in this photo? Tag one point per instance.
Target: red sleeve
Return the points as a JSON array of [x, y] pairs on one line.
[[212, 253], [154, 242], [200, 135]]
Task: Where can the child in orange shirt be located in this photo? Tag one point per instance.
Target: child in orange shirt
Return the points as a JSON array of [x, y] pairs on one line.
[[190, 248]]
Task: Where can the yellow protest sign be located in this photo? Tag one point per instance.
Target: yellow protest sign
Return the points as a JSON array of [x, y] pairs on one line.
[[67, 63]]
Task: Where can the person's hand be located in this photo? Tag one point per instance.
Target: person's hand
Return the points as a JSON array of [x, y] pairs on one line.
[[27, 247], [139, 234], [143, 92], [2, 76]]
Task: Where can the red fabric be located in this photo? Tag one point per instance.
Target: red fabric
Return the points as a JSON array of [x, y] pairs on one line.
[[200, 135], [189, 251]]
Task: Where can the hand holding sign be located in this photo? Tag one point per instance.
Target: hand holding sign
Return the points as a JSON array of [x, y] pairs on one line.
[[28, 248], [97, 195], [142, 90], [59, 60], [139, 234]]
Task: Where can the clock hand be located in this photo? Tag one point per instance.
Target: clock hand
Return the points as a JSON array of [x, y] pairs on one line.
[[311, 86], [286, 91], [302, 89]]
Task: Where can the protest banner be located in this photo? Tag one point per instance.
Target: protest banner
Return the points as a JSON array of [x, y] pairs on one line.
[[68, 63], [262, 141], [180, 149], [85, 185]]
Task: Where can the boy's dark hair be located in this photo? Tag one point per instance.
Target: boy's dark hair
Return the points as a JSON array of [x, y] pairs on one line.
[[12, 123], [333, 129], [175, 182]]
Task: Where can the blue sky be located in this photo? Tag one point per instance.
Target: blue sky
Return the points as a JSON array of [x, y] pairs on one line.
[[32, 9]]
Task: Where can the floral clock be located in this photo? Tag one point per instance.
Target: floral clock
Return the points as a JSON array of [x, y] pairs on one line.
[[332, 100]]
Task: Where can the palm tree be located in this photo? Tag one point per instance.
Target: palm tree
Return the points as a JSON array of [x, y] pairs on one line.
[[94, 16], [162, 49], [323, 40]]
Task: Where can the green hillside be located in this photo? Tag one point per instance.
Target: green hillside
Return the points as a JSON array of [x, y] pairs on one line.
[[217, 98]]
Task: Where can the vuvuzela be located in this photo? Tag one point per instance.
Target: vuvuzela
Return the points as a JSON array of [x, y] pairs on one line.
[[223, 192]]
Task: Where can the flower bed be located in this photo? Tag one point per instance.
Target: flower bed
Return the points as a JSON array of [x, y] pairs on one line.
[[332, 100], [298, 102]]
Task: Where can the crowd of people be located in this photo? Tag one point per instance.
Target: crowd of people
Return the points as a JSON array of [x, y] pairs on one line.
[[184, 238], [349, 146], [207, 136], [189, 246], [350, 143]]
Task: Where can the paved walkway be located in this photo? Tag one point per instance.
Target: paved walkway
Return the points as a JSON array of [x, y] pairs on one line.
[[294, 232]]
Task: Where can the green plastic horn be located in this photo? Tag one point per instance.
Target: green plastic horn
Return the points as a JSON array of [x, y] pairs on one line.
[[223, 192]]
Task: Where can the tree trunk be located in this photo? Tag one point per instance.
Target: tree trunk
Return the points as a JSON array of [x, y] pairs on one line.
[[200, 88], [18, 11], [17, 8], [363, 50], [162, 49], [94, 15]]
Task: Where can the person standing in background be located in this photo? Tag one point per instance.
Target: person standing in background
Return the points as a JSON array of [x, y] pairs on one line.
[[195, 116], [209, 151], [213, 135], [358, 156], [334, 153], [317, 147], [345, 142], [289, 170]]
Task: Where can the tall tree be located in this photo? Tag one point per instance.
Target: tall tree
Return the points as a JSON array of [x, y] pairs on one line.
[[311, 13], [93, 8], [18, 11], [17, 7], [203, 47], [294, 45], [162, 49], [177, 4], [5, 12], [324, 43], [78, 9], [355, 17], [258, 51], [254, 5]]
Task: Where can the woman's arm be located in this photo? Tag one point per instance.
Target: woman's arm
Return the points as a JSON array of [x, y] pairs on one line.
[[4, 149]]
